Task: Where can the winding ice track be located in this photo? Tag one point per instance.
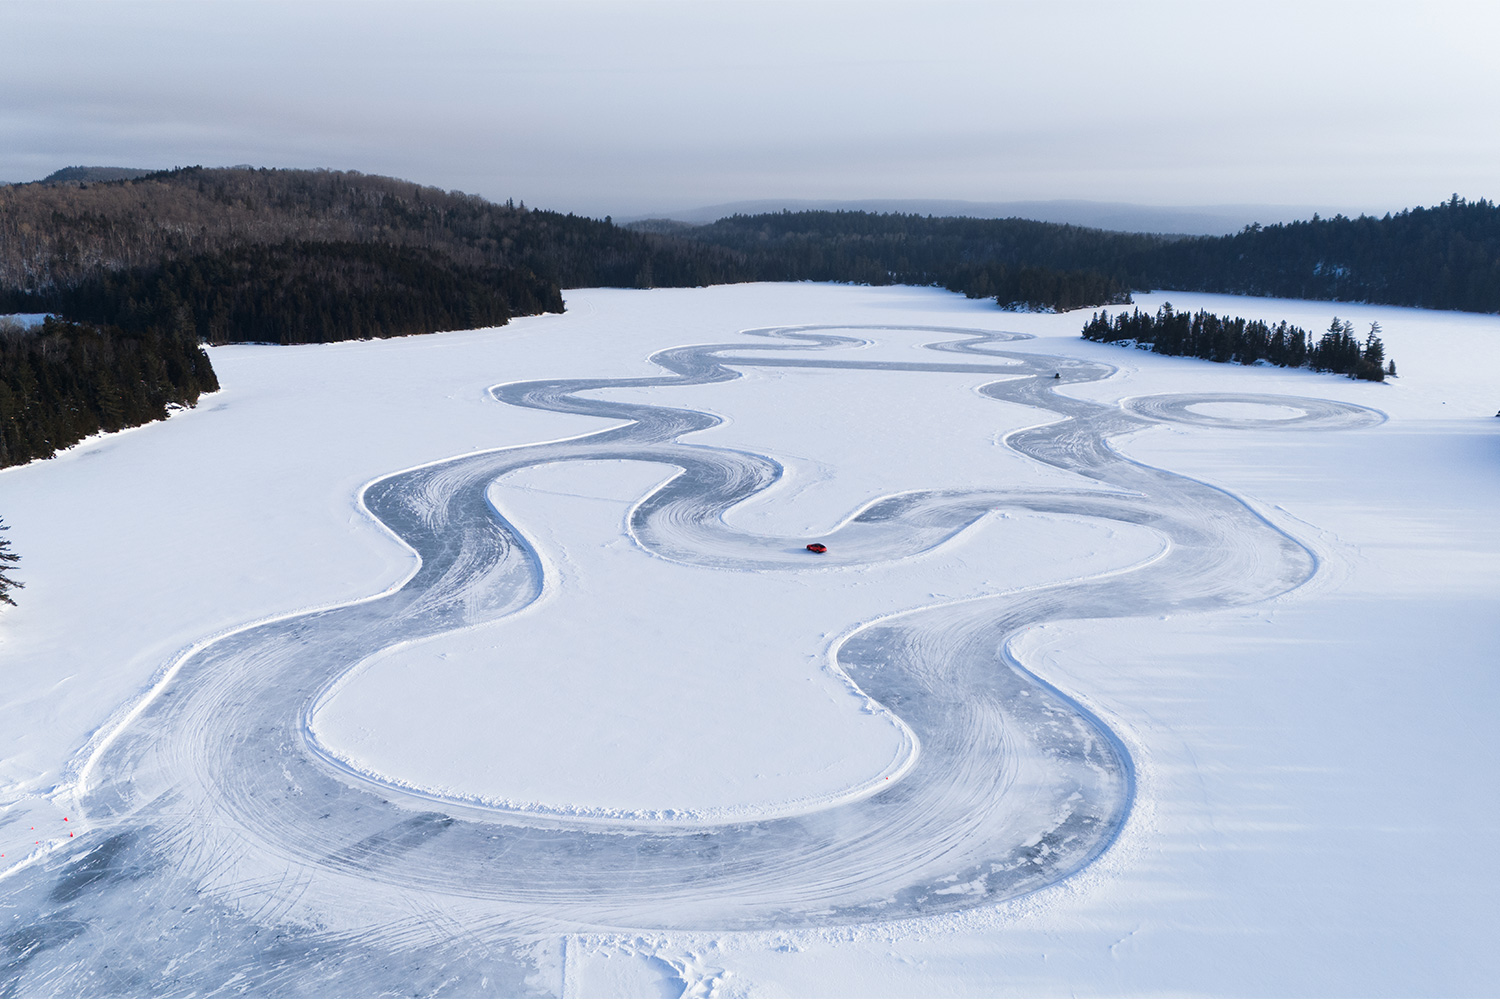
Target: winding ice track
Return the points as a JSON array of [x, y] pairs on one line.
[[221, 838]]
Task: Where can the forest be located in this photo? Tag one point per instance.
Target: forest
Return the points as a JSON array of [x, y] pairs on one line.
[[74, 246], [1444, 257], [1037, 266], [57, 238], [62, 381], [1233, 339], [146, 268], [299, 292], [64, 244]]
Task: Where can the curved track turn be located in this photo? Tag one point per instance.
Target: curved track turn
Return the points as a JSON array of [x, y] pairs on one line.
[[215, 797]]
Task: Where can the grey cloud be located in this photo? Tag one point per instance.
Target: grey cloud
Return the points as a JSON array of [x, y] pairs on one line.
[[630, 107]]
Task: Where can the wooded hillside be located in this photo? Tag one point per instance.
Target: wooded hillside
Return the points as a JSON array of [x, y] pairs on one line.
[[1021, 264], [154, 265], [1444, 257], [63, 244]]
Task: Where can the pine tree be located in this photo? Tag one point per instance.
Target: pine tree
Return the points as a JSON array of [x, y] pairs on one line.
[[1372, 360], [1374, 348], [7, 559]]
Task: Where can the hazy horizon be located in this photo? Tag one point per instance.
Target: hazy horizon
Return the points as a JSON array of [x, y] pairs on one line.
[[1189, 220], [634, 109]]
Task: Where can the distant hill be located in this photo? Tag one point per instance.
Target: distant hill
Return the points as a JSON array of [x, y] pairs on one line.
[[1200, 220], [1022, 264], [153, 264], [670, 227], [61, 244], [1443, 257], [173, 248], [91, 174], [90, 251]]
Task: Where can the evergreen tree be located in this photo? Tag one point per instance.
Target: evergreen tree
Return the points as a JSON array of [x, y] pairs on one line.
[[61, 382], [1371, 365], [1246, 342], [1338, 350], [7, 560], [1374, 348]]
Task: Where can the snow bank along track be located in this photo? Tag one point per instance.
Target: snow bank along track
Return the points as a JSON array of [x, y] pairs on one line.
[[222, 839]]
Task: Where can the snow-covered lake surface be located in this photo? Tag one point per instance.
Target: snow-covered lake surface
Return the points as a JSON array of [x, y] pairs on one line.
[[616, 732], [1245, 412]]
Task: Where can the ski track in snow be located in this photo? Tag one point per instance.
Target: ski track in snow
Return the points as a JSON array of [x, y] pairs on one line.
[[227, 852]]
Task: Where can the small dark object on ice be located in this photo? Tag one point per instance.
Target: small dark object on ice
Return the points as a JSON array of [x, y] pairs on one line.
[[1057, 375], [817, 547]]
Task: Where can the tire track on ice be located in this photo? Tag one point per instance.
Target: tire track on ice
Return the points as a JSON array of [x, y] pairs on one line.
[[1016, 785]]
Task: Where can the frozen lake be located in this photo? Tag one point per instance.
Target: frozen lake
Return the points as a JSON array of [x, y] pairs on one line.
[[495, 662]]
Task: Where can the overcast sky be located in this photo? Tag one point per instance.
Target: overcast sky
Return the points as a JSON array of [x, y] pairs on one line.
[[629, 108]]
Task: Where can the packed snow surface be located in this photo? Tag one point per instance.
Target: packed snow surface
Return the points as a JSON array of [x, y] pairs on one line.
[[1245, 411], [495, 662], [647, 737]]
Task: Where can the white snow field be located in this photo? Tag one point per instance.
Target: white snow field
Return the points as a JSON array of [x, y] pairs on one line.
[[541, 692]]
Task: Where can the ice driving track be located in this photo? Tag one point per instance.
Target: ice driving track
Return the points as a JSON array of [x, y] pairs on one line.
[[219, 832]]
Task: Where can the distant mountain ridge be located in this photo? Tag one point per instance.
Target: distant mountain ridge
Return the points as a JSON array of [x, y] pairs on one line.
[[1124, 217], [92, 174]]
